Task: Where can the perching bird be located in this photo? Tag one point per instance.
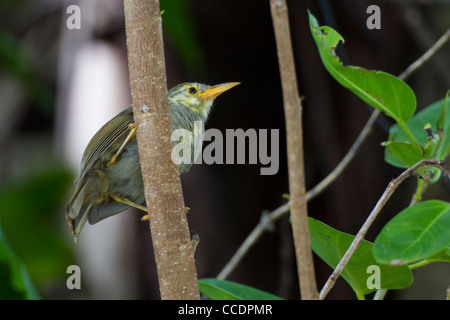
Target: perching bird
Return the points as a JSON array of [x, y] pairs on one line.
[[110, 180]]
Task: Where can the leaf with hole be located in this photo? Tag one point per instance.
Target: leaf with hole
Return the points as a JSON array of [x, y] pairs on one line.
[[379, 89]]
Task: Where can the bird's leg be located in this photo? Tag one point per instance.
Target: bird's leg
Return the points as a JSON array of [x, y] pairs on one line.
[[128, 202], [132, 128], [131, 204]]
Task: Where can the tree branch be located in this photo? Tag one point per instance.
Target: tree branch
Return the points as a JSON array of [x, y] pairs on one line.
[[169, 229], [252, 238], [294, 131]]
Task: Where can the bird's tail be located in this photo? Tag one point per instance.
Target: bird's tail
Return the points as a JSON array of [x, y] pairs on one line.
[[77, 212]]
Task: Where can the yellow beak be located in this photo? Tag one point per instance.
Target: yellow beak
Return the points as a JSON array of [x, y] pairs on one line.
[[214, 91]]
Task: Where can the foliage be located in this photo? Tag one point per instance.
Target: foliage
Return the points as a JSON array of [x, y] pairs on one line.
[[416, 233], [379, 89], [421, 231], [330, 245], [402, 153], [416, 236]]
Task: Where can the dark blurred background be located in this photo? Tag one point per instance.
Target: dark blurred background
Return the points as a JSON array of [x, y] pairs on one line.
[[58, 86]]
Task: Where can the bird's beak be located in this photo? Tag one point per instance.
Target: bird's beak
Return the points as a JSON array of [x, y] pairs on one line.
[[214, 91]]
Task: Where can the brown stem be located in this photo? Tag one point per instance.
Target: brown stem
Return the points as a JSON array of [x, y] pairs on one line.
[[293, 117], [169, 229]]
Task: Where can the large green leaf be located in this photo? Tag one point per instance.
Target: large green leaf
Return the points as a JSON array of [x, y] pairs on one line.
[[431, 115], [416, 233], [330, 245], [443, 255], [381, 90], [217, 289]]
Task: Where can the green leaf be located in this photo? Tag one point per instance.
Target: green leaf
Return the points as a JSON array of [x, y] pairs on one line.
[[443, 255], [408, 153], [15, 282], [379, 89], [416, 124], [226, 290], [416, 233], [330, 245]]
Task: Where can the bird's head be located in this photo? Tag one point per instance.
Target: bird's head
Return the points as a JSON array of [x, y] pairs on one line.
[[197, 96]]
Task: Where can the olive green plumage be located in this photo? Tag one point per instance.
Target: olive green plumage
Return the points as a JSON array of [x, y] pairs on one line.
[[106, 187]]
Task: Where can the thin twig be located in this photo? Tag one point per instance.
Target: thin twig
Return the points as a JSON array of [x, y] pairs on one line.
[[380, 294], [426, 56], [294, 137], [321, 186], [251, 239], [393, 185]]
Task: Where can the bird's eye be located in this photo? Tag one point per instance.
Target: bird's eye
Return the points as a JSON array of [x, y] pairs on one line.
[[192, 90]]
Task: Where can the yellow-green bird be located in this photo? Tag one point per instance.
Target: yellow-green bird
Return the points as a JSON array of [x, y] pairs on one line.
[[110, 179]]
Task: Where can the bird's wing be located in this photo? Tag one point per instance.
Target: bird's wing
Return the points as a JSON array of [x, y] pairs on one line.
[[104, 138]]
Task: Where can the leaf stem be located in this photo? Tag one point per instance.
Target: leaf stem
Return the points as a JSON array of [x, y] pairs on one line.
[[418, 194], [405, 128], [359, 295], [421, 263]]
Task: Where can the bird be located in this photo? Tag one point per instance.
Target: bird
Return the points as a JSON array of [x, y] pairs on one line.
[[110, 178]]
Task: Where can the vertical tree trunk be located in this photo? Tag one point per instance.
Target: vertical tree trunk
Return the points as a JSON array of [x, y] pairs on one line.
[[169, 229], [294, 129]]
